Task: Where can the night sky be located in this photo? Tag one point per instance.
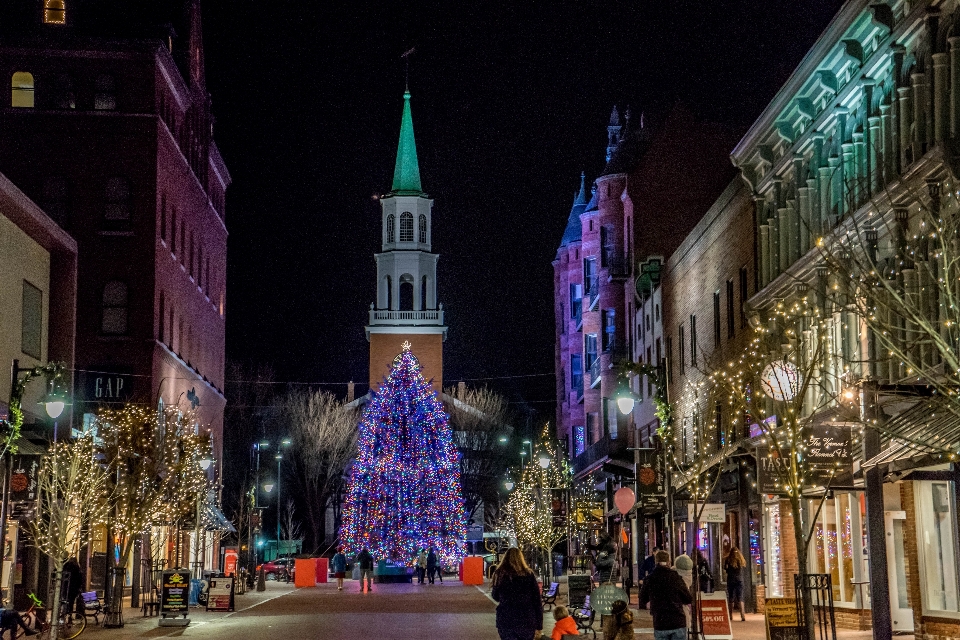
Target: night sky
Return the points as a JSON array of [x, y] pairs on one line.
[[510, 104]]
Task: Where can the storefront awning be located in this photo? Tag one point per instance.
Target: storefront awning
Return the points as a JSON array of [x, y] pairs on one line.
[[216, 521], [927, 433]]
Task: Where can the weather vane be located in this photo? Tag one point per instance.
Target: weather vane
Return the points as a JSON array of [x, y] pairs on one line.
[[406, 58]]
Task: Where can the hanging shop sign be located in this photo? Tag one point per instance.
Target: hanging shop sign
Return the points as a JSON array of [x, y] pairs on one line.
[[828, 456], [23, 478], [709, 512], [651, 477], [652, 504], [772, 469]]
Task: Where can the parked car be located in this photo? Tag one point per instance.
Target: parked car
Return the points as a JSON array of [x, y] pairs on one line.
[[278, 569]]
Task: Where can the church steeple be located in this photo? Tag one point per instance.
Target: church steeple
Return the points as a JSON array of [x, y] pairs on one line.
[[406, 174]]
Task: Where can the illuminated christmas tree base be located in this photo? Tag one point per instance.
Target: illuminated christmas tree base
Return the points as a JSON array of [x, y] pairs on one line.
[[404, 492]]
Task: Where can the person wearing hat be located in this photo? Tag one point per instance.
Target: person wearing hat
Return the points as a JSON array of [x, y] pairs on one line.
[[666, 593], [619, 624]]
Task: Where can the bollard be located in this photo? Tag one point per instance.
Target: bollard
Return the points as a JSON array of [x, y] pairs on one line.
[[261, 581]]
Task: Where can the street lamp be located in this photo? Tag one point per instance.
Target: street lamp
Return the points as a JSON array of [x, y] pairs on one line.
[[529, 444], [509, 485], [626, 399], [544, 461]]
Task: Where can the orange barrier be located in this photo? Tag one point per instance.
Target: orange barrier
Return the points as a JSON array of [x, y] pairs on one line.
[[305, 572], [471, 570]]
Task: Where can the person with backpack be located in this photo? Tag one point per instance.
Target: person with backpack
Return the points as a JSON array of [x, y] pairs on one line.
[[666, 593], [365, 560]]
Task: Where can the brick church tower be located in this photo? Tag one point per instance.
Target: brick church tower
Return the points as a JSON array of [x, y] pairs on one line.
[[406, 309]]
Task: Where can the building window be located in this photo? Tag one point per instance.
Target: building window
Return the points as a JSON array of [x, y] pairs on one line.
[[837, 547], [937, 524], [576, 373], [114, 320], [693, 340], [592, 426], [160, 329], [423, 229], [163, 216], [718, 423], [730, 309], [590, 285], [105, 96], [606, 246], [609, 329], [391, 219], [610, 414], [32, 321], [716, 319], [743, 297], [173, 230], [681, 340], [56, 199], [64, 96], [22, 87], [576, 301], [54, 12], [117, 194], [579, 439], [589, 349], [669, 349], [406, 227]]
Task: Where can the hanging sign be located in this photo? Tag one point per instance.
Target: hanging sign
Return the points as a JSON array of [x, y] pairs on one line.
[[828, 456], [23, 478], [772, 470], [651, 478], [715, 513]]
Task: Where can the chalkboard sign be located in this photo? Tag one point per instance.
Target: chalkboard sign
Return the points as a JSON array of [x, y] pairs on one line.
[[579, 586], [781, 617], [175, 592], [98, 571], [604, 596]]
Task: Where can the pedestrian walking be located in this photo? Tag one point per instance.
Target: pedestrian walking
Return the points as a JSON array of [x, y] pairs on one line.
[[704, 576], [515, 589], [604, 558], [339, 566], [619, 624], [733, 565], [75, 584], [684, 566], [666, 593], [648, 565], [433, 566], [564, 624], [421, 565], [365, 560]]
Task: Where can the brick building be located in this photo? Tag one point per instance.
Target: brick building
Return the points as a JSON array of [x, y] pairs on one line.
[[109, 128]]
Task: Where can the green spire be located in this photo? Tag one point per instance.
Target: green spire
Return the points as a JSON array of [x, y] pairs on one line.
[[406, 175]]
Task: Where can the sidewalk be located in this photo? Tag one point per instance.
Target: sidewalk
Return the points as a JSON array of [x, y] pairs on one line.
[[136, 625]]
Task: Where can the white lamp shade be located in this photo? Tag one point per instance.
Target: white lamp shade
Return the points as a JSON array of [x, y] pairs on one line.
[[625, 404], [544, 461], [54, 408], [268, 487]]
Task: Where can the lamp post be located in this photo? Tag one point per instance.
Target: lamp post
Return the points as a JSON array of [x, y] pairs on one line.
[[54, 404]]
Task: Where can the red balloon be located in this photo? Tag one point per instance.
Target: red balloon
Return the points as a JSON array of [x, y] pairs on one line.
[[624, 498]]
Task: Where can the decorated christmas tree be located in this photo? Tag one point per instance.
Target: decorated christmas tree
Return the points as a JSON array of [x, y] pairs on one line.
[[404, 492]]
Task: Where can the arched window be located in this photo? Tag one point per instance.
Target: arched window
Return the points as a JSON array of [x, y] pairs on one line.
[[406, 227], [114, 319], [117, 196], [423, 229], [406, 290], [54, 12], [105, 98], [64, 96], [390, 232], [22, 86]]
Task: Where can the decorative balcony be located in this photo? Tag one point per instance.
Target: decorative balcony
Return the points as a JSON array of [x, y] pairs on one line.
[[606, 448]]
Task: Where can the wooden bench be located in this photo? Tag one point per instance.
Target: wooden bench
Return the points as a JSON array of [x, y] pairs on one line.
[[549, 597]]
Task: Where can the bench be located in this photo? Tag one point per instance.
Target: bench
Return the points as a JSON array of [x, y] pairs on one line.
[[584, 616], [549, 597], [92, 605]]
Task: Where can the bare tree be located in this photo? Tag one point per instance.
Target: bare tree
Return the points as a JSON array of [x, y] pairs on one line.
[[72, 497], [479, 419], [292, 527], [323, 431]]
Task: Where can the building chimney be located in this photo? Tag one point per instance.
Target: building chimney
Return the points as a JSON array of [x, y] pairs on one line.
[[351, 391], [461, 389]]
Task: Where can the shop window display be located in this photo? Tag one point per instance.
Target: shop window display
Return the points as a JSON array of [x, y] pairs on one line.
[[936, 522], [837, 545]]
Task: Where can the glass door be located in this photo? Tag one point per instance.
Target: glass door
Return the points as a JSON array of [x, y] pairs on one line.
[[900, 612]]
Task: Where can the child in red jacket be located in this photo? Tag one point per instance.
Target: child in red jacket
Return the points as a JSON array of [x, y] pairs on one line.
[[565, 625]]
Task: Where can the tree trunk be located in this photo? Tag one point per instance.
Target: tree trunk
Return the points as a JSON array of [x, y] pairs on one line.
[[804, 595], [54, 611]]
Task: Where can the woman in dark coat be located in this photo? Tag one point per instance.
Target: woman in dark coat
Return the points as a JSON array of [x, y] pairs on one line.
[[606, 554], [520, 610]]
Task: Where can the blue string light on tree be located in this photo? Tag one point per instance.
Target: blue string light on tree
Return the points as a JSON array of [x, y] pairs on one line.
[[404, 491]]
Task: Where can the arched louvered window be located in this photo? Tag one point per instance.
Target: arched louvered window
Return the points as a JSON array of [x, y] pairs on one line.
[[391, 220], [406, 227], [423, 229]]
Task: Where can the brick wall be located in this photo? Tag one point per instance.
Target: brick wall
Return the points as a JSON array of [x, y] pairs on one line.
[[788, 550], [428, 348]]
